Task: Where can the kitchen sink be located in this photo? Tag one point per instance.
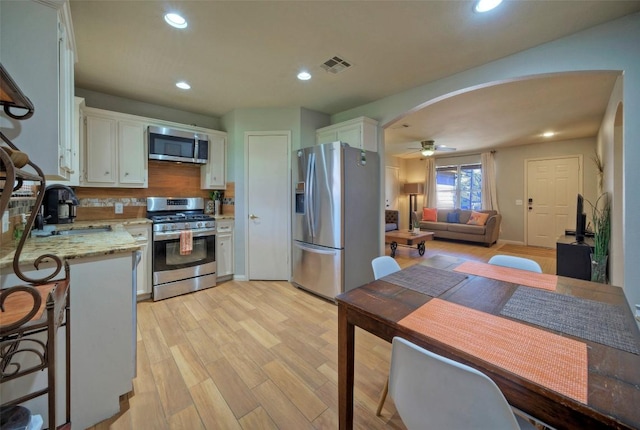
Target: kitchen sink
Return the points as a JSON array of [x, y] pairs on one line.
[[80, 231]]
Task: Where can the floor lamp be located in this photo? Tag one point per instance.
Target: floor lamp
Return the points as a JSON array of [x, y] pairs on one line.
[[413, 189]]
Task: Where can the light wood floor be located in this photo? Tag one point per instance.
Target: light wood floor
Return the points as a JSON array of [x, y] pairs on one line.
[[261, 355]]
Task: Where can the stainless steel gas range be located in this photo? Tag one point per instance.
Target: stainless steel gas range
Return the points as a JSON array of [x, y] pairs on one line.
[[184, 246]]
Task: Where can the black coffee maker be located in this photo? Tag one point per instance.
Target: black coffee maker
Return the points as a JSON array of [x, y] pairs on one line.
[[60, 204]]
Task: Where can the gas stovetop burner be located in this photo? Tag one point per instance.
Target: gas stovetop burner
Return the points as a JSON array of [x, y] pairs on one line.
[[175, 214], [180, 217]]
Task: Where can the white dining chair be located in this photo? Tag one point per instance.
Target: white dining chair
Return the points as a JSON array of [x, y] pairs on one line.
[[383, 266], [431, 391], [515, 262]]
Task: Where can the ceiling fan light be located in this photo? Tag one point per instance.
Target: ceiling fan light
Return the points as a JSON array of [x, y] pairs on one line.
[[427, 152]]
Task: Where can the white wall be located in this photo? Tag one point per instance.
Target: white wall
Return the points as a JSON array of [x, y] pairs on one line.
[[133, 107], [611, 152], [301, 122], [611, 46]]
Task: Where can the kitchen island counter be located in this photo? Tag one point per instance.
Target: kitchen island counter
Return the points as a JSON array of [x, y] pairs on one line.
[[77, 246]]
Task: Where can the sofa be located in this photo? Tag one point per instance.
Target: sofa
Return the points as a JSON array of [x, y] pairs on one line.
[[391, 220], [453, 224]]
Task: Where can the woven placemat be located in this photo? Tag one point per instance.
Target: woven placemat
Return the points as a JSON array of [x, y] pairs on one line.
[[426, 280], [544, 281], [587, 319], [548, 359]]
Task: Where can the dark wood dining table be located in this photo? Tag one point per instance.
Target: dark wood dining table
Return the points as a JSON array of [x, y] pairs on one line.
[[613, 378]]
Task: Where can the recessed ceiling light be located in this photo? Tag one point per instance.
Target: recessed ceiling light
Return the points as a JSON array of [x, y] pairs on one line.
[[183, 85], [175, 20], [548, 134], [304, 76], [486, 5]]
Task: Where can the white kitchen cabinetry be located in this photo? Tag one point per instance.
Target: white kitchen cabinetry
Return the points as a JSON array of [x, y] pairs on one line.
[[37, 50], [132, 160], [142, 236], [114, 151], [102, 338], [359, 133], [224, 249], [213, 175]]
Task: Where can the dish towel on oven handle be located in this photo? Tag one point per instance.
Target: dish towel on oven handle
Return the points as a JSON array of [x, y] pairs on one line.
[[186, 242]]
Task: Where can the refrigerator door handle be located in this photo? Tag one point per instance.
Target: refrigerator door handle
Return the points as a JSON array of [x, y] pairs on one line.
[[311, 172], [316, 249]]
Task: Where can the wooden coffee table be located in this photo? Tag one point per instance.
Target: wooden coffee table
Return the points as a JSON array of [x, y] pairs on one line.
[[398, 237]]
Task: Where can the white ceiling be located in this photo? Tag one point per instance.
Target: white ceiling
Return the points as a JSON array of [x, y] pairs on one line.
[[516, 113], [244, 54]]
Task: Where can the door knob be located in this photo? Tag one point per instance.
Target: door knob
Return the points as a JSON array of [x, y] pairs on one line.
[[252, 216]]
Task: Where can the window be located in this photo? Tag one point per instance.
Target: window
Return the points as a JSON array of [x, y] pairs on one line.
[[459, 186]]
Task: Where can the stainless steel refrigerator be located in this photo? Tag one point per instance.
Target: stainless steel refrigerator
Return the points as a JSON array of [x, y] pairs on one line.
[[335, 225]]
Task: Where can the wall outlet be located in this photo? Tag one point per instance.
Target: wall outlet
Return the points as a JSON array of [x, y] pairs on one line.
[[5, 221], [518, 202], [119, 208]]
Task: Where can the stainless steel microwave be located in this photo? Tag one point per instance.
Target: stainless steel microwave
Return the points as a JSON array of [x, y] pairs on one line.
[[176, 145]]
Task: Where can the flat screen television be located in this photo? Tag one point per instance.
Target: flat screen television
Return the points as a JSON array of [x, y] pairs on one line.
[[581, 220]]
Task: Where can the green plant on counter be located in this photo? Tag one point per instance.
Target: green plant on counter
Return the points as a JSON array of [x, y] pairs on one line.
[[216, 195]]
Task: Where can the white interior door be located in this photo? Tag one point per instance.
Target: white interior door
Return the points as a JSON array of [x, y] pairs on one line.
[[268, 205], [391, 187], [552, 187]]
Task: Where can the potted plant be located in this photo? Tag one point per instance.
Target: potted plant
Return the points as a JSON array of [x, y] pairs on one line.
[[216, 196], [601, 218]]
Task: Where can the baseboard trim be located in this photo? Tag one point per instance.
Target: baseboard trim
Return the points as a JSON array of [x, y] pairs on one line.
[[510, 242]]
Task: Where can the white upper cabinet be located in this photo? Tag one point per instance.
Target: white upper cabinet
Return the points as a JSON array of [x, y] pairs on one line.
[[213, 175], [131, 153], [114, 151], [100, 151], [37, 50], [359, 133]]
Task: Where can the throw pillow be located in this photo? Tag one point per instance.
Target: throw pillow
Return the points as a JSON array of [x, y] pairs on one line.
[[453, 217], [429, 214], [477, 218]]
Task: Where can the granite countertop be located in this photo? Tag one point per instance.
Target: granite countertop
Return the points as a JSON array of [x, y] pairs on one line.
[[77, 246], [103, 223], [224, 217]]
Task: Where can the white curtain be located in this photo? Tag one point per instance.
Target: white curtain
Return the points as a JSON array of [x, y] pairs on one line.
[[430, 192], [489, 195]]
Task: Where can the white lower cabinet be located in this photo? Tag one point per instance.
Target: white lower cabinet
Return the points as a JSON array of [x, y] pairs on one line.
[[224, 249], [102, 340], [142, 236]]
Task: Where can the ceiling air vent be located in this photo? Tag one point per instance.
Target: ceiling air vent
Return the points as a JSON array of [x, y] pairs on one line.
[[335, 65]]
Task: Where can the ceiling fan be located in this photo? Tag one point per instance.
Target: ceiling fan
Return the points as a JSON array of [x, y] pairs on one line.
[[429, 148]]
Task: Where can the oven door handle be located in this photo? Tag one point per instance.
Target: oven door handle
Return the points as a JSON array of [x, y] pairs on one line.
[[172, 235]]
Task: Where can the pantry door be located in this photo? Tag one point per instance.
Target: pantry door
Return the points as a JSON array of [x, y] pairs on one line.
[[268, 204], [552, 188]]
